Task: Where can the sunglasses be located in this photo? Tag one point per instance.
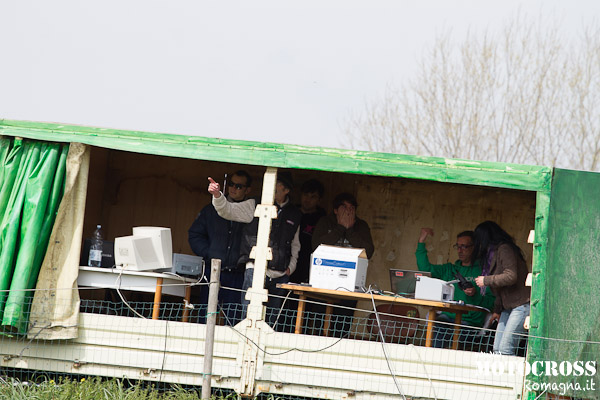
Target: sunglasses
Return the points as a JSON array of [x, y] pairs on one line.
[[238, 186]]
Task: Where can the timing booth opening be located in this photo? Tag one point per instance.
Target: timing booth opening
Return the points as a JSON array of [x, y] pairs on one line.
[[128, 190]]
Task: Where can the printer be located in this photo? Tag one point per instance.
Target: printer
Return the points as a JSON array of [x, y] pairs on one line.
[[434, 289]]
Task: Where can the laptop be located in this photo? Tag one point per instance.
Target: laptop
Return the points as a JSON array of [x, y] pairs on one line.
[[403, 281]]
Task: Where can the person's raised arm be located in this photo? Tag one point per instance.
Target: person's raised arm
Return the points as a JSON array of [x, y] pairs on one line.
[[423, 259], [242, 211], [424, 233]]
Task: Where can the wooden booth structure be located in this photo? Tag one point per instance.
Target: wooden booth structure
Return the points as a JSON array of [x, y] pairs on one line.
[[139, 178]]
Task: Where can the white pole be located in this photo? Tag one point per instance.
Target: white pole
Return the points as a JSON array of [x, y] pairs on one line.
[[253, 325], [211, 321]]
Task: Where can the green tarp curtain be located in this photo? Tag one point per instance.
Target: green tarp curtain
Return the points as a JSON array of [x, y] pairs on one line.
[[32, 182], [572, 309]]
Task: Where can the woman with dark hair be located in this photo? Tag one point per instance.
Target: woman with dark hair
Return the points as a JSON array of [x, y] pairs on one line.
[[505, 272]]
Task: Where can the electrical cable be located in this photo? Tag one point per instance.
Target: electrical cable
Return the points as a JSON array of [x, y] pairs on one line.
[[541, 394], [162, 367], [283, 352], [49, 326], [426, 372], [33, 338], [123, 299], [387, 360], [119, 280], [281, 309]]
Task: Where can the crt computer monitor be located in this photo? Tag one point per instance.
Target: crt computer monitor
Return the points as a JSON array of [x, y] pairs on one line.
[[149, 248]]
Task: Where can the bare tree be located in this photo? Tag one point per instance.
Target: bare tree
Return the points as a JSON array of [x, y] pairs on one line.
[[526, 95]]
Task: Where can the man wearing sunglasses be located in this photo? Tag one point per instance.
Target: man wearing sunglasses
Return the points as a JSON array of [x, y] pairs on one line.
[[469, 294], [284, 240], [212, 236]]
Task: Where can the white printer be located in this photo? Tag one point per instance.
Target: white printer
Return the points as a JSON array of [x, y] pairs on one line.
[[434, 289]]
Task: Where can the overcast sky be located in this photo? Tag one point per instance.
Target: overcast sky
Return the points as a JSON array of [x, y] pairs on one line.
[[276, 71]]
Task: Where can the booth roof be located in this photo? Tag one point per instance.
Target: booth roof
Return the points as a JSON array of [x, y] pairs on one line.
[[493, 174]]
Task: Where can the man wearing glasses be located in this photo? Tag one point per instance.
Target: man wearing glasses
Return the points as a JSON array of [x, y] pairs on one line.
[[470, 270], [212, 236]]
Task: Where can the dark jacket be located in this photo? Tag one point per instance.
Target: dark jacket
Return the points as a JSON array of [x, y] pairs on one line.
[[508, 273], [211, 236], [328, 231], [307, 227], [283, 230]]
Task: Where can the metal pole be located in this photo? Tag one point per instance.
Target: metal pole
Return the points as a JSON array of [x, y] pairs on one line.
[[211, 321]]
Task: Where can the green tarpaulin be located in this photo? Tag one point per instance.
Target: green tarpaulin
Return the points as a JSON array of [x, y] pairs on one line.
[[32, 185], [572, 277]]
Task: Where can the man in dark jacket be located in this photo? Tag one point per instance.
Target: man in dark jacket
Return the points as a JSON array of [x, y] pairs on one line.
[[284, 239], [343, 228], [213, 237], [285, 245], [311, 194]]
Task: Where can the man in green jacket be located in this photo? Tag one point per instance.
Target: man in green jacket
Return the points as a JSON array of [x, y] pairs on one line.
[[470, 270]]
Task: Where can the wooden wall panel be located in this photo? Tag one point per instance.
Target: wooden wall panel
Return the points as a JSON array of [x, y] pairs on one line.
[[397, 210]]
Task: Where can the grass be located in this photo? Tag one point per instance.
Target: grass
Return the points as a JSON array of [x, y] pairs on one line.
[[93, 389]]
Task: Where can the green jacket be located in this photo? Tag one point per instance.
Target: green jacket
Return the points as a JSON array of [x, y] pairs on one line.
[[446, 272]]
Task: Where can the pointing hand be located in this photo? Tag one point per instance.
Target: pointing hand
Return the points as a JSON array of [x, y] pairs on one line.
[[214, 188]]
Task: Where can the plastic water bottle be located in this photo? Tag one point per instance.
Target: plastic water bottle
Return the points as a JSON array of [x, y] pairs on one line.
[[95, 259]]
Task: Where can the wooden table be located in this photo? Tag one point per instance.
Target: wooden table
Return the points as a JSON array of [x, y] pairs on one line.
[[140, 281], [330, 296]]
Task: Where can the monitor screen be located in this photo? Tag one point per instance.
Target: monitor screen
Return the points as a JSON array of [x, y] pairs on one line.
[[161, 239], [404, 282], [149, 248]]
